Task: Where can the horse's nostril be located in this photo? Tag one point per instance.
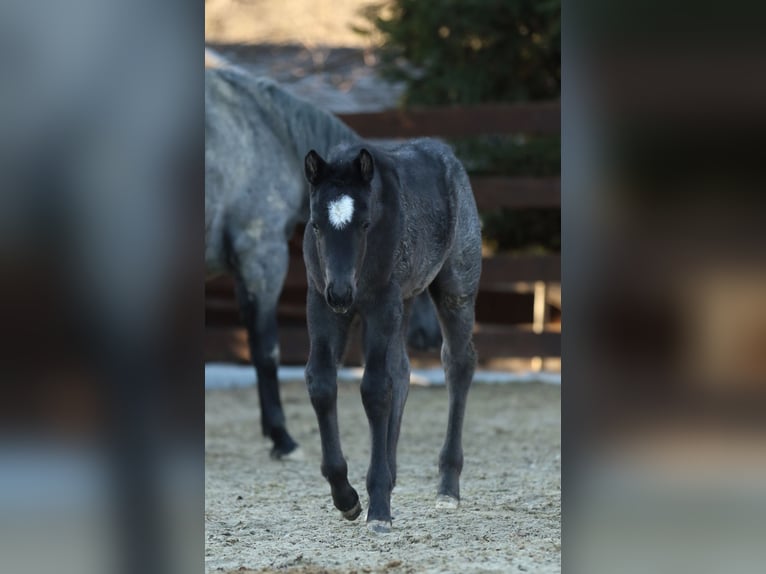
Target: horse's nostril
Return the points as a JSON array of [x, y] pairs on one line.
[[339, 296]]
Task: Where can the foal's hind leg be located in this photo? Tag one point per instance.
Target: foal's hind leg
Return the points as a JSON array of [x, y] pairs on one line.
[[400, 390], [258, 289], [456, 315]]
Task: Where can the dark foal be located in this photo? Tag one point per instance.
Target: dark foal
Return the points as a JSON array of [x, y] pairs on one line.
[[387, 224]]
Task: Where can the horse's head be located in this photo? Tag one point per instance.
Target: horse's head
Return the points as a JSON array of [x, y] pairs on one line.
[[340, 218]]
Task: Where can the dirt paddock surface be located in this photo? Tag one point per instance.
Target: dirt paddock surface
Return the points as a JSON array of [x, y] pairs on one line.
[[267, 516]]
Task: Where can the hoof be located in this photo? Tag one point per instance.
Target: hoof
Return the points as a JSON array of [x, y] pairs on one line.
[[354, 513], [446, 502], [294, 454], [379, 526]]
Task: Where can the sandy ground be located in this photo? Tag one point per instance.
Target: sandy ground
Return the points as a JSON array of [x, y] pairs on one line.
[[310, 23], [266, 516], [307, 46]]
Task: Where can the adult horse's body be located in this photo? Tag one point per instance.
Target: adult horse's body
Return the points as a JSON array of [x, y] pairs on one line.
[[256, 136], [386, 224]]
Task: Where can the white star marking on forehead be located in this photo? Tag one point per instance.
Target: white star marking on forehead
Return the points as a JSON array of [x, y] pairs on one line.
[[340, 211]]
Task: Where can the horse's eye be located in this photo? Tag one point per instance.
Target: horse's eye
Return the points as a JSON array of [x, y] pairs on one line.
[[365, 225], [316, 227]]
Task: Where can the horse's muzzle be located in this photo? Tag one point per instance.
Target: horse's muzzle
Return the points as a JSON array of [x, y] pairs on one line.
[[339, 297]]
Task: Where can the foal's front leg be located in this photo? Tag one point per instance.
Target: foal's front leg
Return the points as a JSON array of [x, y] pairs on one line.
[[328, 332], [382, 342]]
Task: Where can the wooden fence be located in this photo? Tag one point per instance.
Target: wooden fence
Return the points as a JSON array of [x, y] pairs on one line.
[[514, 305]]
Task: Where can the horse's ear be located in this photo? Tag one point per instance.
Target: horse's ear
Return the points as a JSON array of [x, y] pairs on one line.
[[365, 165], [314, 166]]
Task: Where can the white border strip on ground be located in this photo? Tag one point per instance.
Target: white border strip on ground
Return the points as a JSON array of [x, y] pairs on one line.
[[225, 375]]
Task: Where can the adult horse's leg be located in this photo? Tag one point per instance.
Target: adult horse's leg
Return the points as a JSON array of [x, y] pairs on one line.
[[258, 288], [383, 345], [455, 307], [328, 332], [424, 332], [400, 390]]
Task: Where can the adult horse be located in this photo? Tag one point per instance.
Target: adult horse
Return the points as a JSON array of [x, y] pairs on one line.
[[387, 224], [256, 136]]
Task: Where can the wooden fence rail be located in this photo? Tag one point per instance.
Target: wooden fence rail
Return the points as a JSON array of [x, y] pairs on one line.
[[501, 274], [458, 121], [495, 192]]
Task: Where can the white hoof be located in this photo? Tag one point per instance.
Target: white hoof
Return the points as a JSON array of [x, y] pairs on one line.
[[446, 502], [379, 526], [354, 513], [293, 456]]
